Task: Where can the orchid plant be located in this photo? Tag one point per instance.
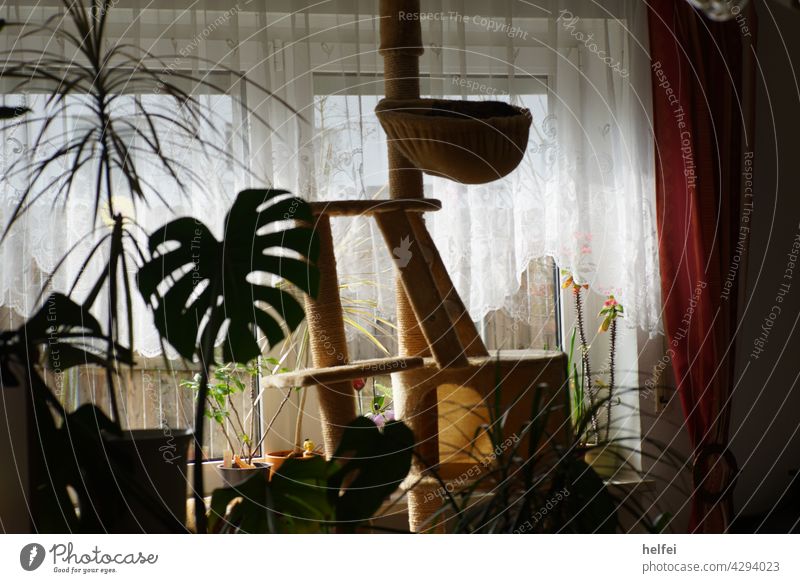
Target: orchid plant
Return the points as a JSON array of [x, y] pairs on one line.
[[582, 385], [611, 311]]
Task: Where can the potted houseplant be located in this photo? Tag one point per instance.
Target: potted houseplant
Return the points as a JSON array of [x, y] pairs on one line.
[[593, 444], [606, 459], [85, 474], [319, 495], [222, 292], [583, 396], [238, 427], [539, 488]]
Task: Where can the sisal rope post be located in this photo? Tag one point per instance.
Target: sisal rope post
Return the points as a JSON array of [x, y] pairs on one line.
[[401, 47], [337, 405]]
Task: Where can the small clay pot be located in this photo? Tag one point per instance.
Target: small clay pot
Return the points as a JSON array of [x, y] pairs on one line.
[[236, 475], [276, 458]]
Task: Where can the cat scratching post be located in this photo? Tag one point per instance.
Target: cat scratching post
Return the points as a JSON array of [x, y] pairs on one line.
[[337, 404], [401, 47], [443, 377]]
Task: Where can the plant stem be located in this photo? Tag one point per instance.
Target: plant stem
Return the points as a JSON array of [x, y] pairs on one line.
[[199, 422], [112, 281], [206, 360], [232, 405], [254, 386], [222, 425], [587, 371], [274, 417], [298, 424], [611, 378]]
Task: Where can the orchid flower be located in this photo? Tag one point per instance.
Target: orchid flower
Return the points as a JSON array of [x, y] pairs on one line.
[[611, 310]]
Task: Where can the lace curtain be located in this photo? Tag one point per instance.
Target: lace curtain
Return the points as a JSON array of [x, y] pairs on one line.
[[583, 195]]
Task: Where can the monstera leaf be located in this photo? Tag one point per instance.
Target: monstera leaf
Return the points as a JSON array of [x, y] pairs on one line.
[[371, 462], [199, 287], [294, 500]]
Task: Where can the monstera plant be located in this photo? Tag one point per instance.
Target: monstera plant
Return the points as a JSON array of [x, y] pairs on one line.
[[203, 290]]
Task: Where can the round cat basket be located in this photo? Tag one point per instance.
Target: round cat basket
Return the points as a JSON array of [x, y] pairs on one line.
[[472, 142]]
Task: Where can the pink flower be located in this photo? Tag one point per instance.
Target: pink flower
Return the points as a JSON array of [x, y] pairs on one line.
[[381, 419], [359, 384]]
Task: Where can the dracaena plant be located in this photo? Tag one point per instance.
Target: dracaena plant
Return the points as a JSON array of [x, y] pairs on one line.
[[92, 77], [97, 78], [202, 289]]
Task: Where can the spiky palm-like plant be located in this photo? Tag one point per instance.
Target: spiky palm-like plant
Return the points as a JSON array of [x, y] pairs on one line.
[[92, 79]]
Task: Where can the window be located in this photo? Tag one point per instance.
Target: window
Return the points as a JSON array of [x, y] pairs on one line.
[[151, 395], [351, 159], [326, 65]]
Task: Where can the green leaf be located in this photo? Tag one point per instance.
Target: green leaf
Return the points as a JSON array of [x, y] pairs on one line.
[[589, 507], [373, 463], [661, 523], [12, 112], [209, 282], [311, 495], [295, 500], [68, 334]]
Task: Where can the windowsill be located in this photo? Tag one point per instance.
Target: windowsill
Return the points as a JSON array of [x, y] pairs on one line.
[[630, 481]]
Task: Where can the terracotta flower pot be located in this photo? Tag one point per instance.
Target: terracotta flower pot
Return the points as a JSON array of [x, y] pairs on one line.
[[236, 475], [472, 142], [276, 458]]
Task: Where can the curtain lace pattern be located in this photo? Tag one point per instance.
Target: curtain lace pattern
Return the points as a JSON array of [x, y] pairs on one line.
[[584, 193]]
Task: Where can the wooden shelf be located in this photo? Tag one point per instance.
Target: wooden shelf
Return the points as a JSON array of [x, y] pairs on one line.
[[338, 374], [352, 208]]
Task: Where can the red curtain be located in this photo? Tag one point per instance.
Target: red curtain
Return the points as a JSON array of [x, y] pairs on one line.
[[702, 74]]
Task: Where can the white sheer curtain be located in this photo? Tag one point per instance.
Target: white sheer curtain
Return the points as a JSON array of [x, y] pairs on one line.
[[584, 194]]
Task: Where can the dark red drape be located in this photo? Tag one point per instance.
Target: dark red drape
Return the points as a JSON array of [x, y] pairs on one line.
[[702, 75]]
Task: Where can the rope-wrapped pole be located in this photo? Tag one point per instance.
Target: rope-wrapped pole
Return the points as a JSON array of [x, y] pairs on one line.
[[401, 47], [337, 405]]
